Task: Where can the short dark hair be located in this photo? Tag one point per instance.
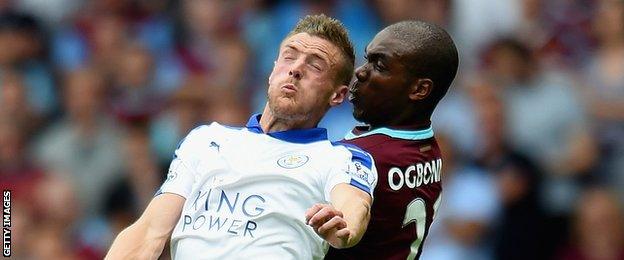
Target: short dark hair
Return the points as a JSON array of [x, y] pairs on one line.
[[333, 31], [432, 51]]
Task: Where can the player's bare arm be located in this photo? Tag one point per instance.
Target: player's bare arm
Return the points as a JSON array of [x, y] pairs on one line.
[[343, 222], [146, 238]]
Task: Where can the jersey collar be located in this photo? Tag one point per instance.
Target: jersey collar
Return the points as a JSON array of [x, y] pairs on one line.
[[394, 133], [300, 136]]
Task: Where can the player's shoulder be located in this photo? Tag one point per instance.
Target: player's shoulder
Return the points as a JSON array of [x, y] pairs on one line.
[[360, 165], [353, 152]]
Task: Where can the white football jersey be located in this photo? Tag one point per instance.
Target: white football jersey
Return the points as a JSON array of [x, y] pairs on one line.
[[247, 192]]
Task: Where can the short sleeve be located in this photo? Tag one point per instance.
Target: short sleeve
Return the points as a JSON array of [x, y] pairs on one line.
[[183, 168], [179, 180], [358, 170]]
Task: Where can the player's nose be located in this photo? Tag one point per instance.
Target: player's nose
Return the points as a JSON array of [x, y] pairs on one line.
[[296, 70], [295, 73], [361, 73]]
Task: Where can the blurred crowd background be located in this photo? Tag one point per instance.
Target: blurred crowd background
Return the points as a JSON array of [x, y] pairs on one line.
[[95, 95]]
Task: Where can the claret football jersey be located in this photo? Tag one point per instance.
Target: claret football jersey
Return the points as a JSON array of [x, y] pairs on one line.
[[407, 194], [247, 191]]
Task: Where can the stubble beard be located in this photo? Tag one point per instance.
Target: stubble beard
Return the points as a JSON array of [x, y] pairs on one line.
[[287, 112]]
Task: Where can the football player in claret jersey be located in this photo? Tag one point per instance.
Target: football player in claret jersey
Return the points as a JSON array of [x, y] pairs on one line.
[[409, 68]]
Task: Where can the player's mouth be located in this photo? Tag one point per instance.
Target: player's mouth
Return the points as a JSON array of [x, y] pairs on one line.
[[289, 88]]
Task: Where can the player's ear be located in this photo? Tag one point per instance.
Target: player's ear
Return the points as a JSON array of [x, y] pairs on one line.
[[421, 89], [338, 95]]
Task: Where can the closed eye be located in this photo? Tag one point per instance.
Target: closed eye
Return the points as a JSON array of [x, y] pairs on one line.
[[379, 65], [376, 60], [317, 63], [289, 54], [316, 66]]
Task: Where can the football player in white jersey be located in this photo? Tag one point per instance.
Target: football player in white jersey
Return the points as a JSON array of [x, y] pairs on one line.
[[276, 188]]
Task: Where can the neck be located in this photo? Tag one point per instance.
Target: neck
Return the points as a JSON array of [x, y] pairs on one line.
[[407, 120], [271, 123]]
